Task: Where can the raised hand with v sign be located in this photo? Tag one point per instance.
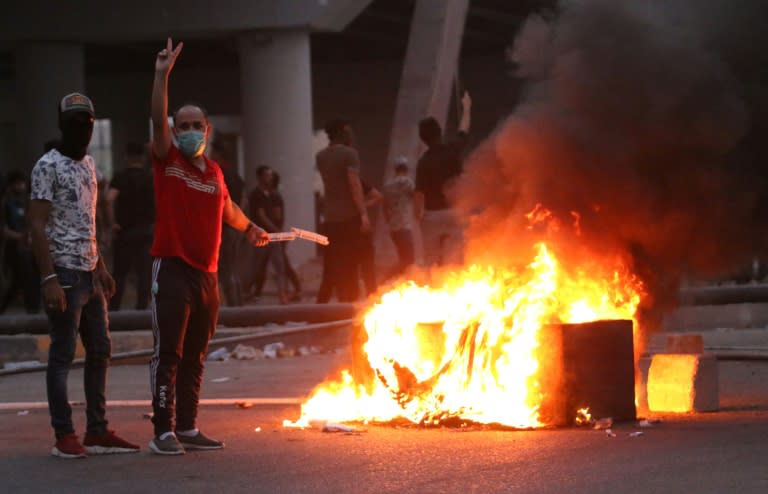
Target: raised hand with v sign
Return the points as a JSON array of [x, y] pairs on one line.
[[167, 57]]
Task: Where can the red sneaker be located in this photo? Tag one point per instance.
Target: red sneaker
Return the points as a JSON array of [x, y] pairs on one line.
[[108, 443], [68, 447]]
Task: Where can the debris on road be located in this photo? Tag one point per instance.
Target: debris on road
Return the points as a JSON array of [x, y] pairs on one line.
[[246, 352], [22, 412], [309, 350], [635, 434], [257, 429], [219, 354], [610, 433], [244, 404], [648, 423], [270, 350], [220, 379], [334, 427], [286, 352], [148, 415], [604, 423]]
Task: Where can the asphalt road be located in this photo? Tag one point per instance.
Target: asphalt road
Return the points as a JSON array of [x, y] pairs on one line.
[[723, 452]]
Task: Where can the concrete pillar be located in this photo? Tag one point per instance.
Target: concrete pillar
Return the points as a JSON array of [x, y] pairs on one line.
[[276, 98], [44, 73], [429, 72], [426, 83]]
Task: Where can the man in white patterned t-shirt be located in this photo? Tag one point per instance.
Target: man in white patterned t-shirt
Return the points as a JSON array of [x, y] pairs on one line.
[[74, 280]]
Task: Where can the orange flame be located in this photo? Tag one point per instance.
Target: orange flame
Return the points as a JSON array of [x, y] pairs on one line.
[[470, 347], [583, 416]]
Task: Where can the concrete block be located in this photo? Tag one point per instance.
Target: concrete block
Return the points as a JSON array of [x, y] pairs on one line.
[[682, 383], [588, 365]]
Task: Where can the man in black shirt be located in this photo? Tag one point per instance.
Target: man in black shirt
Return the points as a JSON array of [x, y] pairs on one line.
[[436, 173], [277, 206], [131, 213], [264, 214]]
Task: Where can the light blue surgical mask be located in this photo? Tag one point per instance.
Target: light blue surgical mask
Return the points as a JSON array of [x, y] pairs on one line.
[[192, 143]]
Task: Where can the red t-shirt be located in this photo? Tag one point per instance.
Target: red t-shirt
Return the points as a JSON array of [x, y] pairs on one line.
[[190, 208]]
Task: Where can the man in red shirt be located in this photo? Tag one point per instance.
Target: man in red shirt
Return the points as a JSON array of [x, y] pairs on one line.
[[192, 202]]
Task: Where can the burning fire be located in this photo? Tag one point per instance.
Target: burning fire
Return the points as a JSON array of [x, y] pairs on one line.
[[469, 347], [583, 416]]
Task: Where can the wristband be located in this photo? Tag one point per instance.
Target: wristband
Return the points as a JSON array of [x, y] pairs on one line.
[[48, 278]]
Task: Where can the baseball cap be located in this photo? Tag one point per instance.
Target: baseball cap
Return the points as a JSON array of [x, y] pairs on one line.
[[76, 102]]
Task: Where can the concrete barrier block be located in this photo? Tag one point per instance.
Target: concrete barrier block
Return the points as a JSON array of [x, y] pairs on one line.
[[588, 365], [682, 383]]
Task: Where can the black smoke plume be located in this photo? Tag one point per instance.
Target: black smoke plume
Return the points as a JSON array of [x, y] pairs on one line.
[[644, 120]]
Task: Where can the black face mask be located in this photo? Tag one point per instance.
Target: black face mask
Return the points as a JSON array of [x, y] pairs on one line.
[[76, 131]]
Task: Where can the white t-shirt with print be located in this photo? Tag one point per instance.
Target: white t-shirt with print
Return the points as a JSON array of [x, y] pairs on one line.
[[71, 188], [398, 201]]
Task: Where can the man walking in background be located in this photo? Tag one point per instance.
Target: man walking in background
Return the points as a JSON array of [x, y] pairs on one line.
[[262, 209], [277, 207]]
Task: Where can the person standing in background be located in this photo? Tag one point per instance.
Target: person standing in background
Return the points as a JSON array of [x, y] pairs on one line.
[[398, 212], [436, 173], [346, 216], [19, 260], [131, 217], [366, 262], [262, 210], [229, 276], [277, 204]]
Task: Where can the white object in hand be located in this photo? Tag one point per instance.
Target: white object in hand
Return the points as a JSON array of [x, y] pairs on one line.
[[311, 236], [281, 236]]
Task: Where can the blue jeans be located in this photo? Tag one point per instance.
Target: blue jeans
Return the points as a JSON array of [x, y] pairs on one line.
[[86, 312]]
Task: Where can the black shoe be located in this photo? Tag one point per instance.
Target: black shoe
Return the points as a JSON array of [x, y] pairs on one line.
[[199, 441], [169, 446]]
